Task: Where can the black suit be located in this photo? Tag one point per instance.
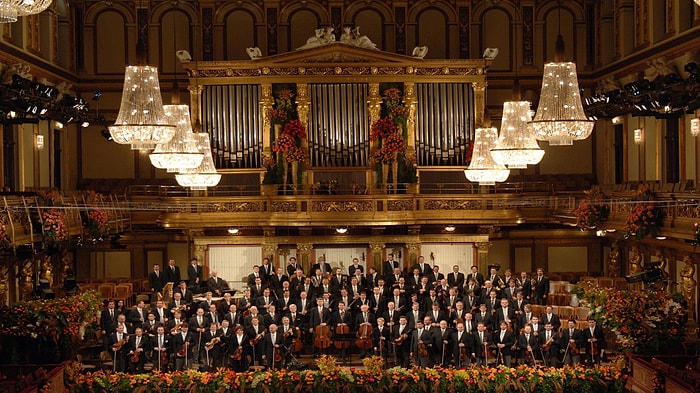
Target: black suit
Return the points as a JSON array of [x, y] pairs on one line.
[[178, 343], [194, 273], [108, 322], [523, 342], [479, 349], [425, 338], [599, 344], [239, 362], [403, 349], [467, 347], [456, 280], [424, 268], [325, 269], [388, 268], [352, 268], [478, 277], [292, 269], [156, 282], [172, 274], [216, 285], [119, 356], [553, 319], [270, 346], [541, 289], [508, 339], [141, 347], [443, 346], [566, 336]]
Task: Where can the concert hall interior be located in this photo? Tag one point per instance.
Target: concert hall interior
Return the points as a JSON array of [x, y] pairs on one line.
[[535, 140]]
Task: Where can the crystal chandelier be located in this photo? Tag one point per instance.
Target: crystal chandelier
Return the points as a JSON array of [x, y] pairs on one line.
[[11, 9], [516, 147], [141, 121], [560, 118], [483, 168], [697, 2], [205, 174], [180, 152]]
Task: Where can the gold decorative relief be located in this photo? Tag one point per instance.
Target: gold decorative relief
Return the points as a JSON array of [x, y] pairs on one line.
[[279, 207], [341, 206], [437, 204], [403, 205]]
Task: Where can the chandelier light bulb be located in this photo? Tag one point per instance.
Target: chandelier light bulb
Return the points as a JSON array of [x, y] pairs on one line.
[[205, 174], [517, 146], [483, 168], [181, 151]]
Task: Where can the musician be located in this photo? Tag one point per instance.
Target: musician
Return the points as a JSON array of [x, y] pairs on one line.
[[507, 276], [389, 266], [318, 315], [362, 281], [471, 301], [252, 277], [478, 277], [423, 267], [525, 285], [194, 274], [415, 315], [285, 301], [338, 281], [432, 297], [528, 344], [286, 286], [354, 288], [308, 287], [437, 314], [536, 325], [352, 269], [207, 302], [384, 289], [488, 288], [510, 291], [505, 314], [550, 345], [422, 345], [463, 346], [304, 305], [322, 266], [443, 344], [380, 337], [210, 351], [457, 314], [483, 316], [183, 344], [540, 287], [482, 341], [278, 278], [297, 279], [328, 301], [108, 319], [399, 301], [174, 324], [156, 282], [550, 317], [504, 340], [255, 332], [456, 278], [199, 324], [492, 302], [225, 333], [273, 344], [414, 279], [225, 304], [245, 302], [473, 286], [118, 344], [239, 350], [272, 316], [372, 278], [295, 318], [393, 278], [495, 278], [256, 291], [137, 348], [293, 267], [253, 313], [162, 314], [595, 342], [213, 314], [266, 271], [435, 277], [390, 315], [289, 333], [138, 315], [265, 301], [185, 293], [216, 285], [423, 288], [172, 272], [160, 344], [149, 327], [401, 334], [451, 299], [341, 316], [571, 343]]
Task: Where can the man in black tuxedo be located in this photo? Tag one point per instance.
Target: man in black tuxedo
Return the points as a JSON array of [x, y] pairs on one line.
[[482, 341], [322, 265], [595, 342], [354, 267], [528, 344], [138, 347], [422, 341], [388, 268], [423, 267], [401, 334], [172, 272], [504, 340], [456, 278], [108, 319], [183, 343], [462, 346], [186, 293], [266, 270], [478, 277], [194, 275], [156, 282], [293, 267], [571, 336], [216, 285], [550, 317], [550, 346], [541, 287], [436, 276], [118, 345], [273, 343]]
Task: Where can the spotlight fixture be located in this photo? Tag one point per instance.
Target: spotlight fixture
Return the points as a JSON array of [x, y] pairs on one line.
[[450, 228], [233, 231], [58, 125], [341, 230], [107, 135], [661, 238]]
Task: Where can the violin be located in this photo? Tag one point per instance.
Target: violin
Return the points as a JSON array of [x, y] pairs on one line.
[[208, 346], [422, 349], [238, 353], [278, 355], [545, 347], [364, 341], [297, 344], [529, 357], [463, 353], [135, 357], [183, 350], [342, 328], [322, 340], [117, 346], [163, 356], [594, 348], [255, 340], [573, 348], [399, 340]]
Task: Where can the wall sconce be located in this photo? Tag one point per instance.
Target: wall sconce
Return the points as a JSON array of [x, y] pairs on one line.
[[39, 141], [695, 126], [58, 125], [638, 136], [341, 230], [617, 120], [450, 228], [233, 231]]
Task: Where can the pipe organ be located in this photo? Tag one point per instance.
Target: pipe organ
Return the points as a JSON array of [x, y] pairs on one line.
[[341, 94]]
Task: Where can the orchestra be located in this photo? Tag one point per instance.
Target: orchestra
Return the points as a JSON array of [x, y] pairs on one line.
[[423, 319]]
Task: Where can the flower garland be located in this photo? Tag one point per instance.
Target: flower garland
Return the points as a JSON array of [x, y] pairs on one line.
[[5, 241], [333, 379], [643, 321], [644, 217], [54, 224], [592, 210], [388, 130], [290, 140]]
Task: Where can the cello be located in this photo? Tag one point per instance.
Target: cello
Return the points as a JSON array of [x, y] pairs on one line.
[[322, 339], [341, 328], [364, 339]]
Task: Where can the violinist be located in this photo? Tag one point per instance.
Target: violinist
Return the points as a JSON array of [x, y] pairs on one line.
[[421, 346], [537, 327], [273, 344], [414, 315], [295, 318], [137, 347], [289, 333], [256, 332], [390, 315], [160, 356], [595, 342], [210, 350], [482, 341], [117, 344], [483, 316], [550, 346], [528, 344], [198, 325], [239, 350], [177, 304], [380, 338], [365, 316], [173, 325], [436, 314], [183, 342], [225, 304], [232, 315], [504, 340], [463, 346], [551, 317], [571, 343], [442, 343], [401, 334], [225, 333]]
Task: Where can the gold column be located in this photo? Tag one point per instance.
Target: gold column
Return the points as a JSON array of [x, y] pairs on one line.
[[195, 100], [413, 254], [266, 103], [479, 101], [377, 253], [374, 107], [482, 249], [303, 106], [303, 252]]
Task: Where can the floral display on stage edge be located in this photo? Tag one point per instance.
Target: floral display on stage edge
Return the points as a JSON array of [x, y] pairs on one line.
[[644, 218], [484, 379], [643, 321], [592, 210]]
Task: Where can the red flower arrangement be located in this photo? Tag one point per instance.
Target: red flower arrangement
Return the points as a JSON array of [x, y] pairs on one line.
[[394, 142], [4, 237], [592, 210], [295, 154], [283, 143], [295, 129], [97, 222], [277, 116], [382, 127], [382, 156], [644, 217], [54, 226]]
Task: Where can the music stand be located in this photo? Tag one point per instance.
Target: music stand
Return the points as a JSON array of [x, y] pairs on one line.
[[343, 338]]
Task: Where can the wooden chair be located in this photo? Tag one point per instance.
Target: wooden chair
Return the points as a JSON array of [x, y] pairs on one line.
[[582, 312], [566, 312], [620, 283], [121, 292], [537, 309], [106, 291], [605, 282]]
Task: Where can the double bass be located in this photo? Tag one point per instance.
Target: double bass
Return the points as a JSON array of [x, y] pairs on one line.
[[342, 328], [322, 339], [364, 336]]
